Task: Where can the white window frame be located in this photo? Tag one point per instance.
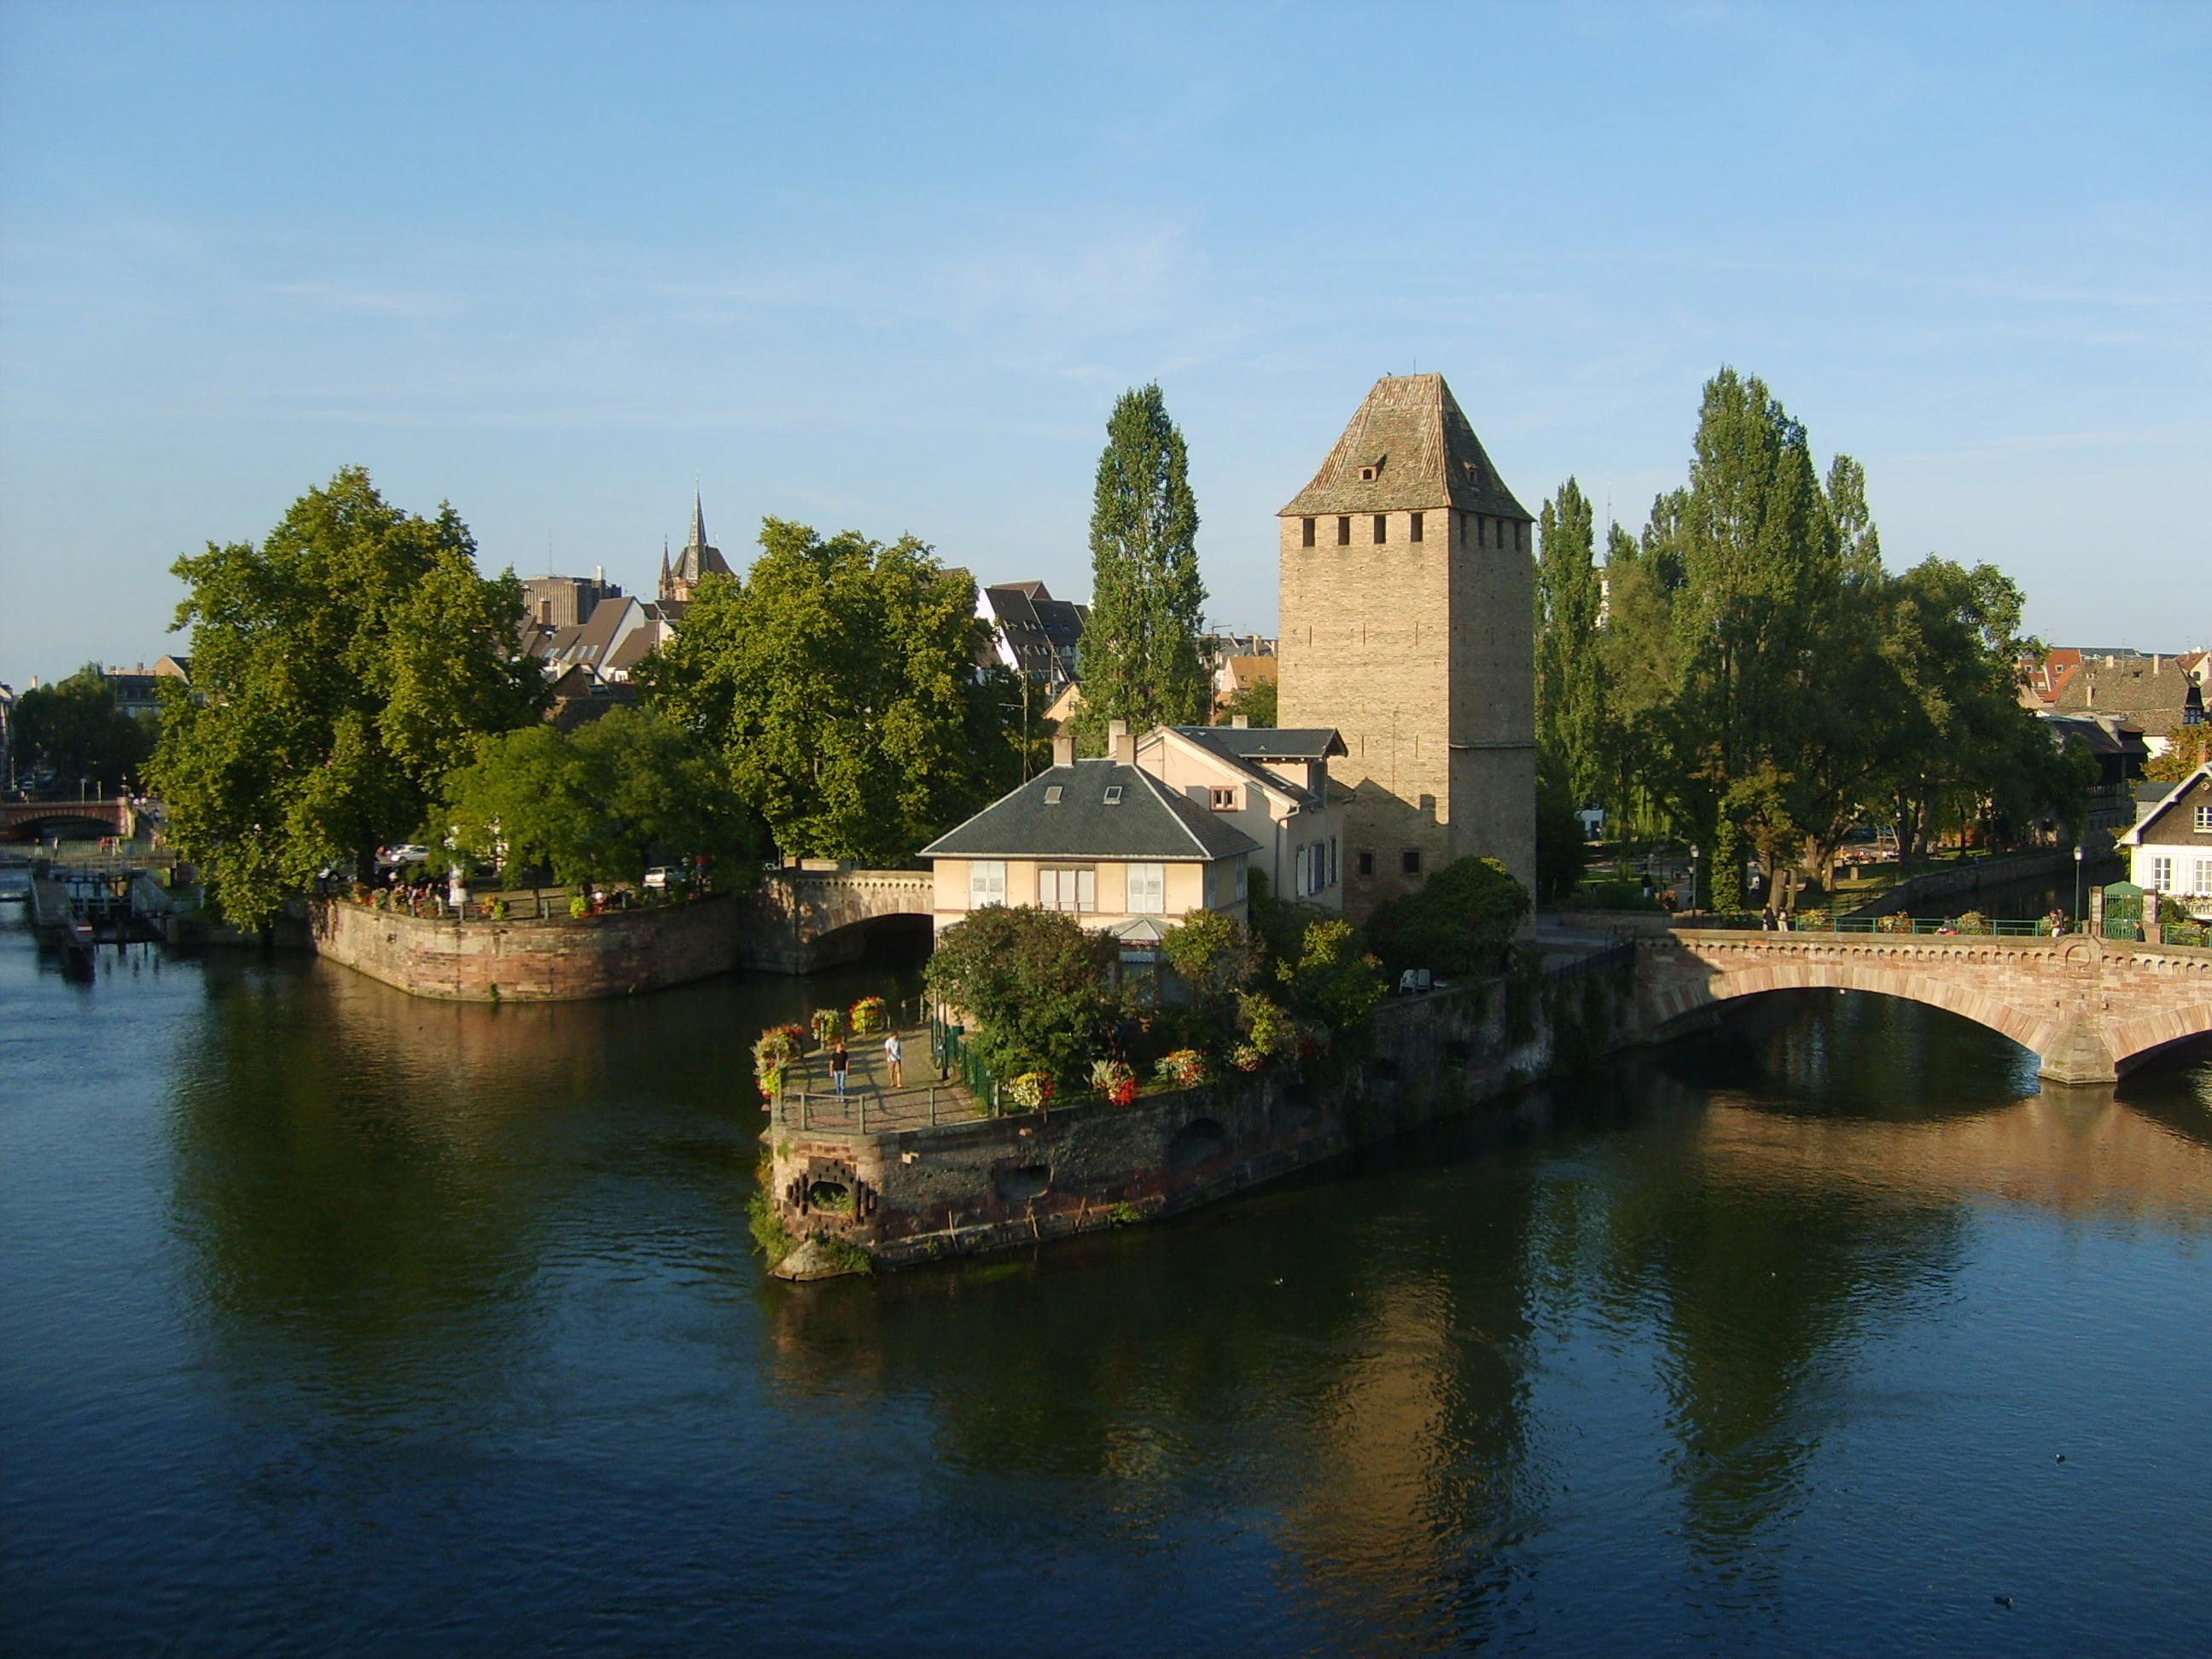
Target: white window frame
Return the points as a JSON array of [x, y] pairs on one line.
[[987, 883], [1071, 887], [2201, 886], [2161, 873], [1148, 889], [2204, 820]]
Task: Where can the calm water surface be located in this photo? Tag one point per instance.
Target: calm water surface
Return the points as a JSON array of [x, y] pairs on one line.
[[336, 1323]]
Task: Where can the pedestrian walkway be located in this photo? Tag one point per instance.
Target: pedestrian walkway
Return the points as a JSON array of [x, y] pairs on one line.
[[871, 1100]]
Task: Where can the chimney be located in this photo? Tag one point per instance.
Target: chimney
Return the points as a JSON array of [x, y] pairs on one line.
[[1063, 750], [1120, 743], [1240, 721]]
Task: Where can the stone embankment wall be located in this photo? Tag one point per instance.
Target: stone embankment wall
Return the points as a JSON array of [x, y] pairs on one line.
[[563, 960], [908, 1196]]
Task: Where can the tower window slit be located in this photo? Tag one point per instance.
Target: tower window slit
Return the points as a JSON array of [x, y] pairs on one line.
[[1381, 528], [1344, 532], [1305, 532], [1414, 520]]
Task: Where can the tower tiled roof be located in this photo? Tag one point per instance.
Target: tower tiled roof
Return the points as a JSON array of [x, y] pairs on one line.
[[1408, 448]]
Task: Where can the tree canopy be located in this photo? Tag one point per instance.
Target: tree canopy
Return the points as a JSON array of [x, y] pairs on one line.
[[1769, 683], [76, 729], [598, 804], [1033, 983], [838, 681], [1140, 650], [340, 668], [1459, 921]]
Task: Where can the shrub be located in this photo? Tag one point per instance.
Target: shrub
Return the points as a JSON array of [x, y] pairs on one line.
[[868, 1015], [1031, 983], [1459, 922], [826, 1024], [1246, 1058], [579, 907], [1974, 921]]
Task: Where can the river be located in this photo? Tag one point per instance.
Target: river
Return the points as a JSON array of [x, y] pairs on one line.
[[336, 1323]]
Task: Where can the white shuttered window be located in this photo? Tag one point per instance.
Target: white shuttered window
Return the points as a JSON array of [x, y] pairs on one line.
[[1067, 887], [1148, 889], [986, 884]]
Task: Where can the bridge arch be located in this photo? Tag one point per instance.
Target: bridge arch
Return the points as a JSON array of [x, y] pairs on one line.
[[2086, 1008], [2001, 1017]]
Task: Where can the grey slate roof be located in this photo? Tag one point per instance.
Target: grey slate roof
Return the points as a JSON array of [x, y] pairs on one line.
[[1425, 454], [1269, 743], [699, 557], [1150, 821]]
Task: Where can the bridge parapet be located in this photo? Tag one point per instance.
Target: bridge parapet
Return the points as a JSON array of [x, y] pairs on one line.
[[2088, 1008]]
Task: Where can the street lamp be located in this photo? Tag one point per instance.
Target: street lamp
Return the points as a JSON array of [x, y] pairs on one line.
[[2077, 886]]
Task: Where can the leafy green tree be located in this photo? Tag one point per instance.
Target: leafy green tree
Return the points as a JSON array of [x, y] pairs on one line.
[[340, 669], [1256, 702], [76, 729], [1458, 922], [1570, 665], [1032, 984], [837, 679], [2191, 747], [1139, 653], [598, 804], [1213, 954], [1332, 980]]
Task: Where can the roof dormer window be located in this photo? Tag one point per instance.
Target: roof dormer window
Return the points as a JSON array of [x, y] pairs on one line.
[[1052, 794], [1113, 794], [1373, 470]]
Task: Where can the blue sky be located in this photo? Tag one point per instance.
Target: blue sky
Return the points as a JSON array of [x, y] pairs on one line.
[[886, 267]]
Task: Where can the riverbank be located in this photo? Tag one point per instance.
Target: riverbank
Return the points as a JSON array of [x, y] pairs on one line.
[[841, 1199]]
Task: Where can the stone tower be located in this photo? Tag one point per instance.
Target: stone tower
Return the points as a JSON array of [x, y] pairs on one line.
[[1408, 624], [697, 559]]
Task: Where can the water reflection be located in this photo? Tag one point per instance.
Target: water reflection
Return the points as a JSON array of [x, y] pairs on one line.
[[474, 1357]]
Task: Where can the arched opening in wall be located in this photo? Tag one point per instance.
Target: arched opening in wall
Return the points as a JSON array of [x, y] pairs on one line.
[[831, 1197], [61, 827], [895, 940], [1850, 1053], [1019, 1186], [2187, 1057], [1196, 1142]]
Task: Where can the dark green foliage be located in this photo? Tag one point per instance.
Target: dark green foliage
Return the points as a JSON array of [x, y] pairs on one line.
[[1140, 648], [629, 790], [1571, 703], [1560, 849], [339, 671], [1214, 955], [837, 680], [1461, 921], [1772, 685], [1032, 985], [75, 729], [1257, 702], [1331, 980]]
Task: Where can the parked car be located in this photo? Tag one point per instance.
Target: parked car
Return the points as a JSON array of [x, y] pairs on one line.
[[665, 876], [394, 858]]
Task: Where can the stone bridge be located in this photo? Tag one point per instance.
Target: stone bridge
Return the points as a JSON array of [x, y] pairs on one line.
[[808, 916], [2090, 1009], [35, 820]]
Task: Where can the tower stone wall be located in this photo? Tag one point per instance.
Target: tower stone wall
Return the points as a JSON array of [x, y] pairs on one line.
[[1408, 625]]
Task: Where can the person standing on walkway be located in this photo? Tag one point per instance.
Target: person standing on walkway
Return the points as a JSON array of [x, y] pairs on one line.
[[894, 1058], [839, 1061]]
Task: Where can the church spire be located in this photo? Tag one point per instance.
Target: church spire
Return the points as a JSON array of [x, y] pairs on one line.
[[698, 522]]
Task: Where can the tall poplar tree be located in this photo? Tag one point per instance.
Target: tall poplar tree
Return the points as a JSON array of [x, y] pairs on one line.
[[1569, 676], [1139, 653]]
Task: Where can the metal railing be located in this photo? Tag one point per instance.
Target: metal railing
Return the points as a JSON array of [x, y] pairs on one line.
[[865, 1110]]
